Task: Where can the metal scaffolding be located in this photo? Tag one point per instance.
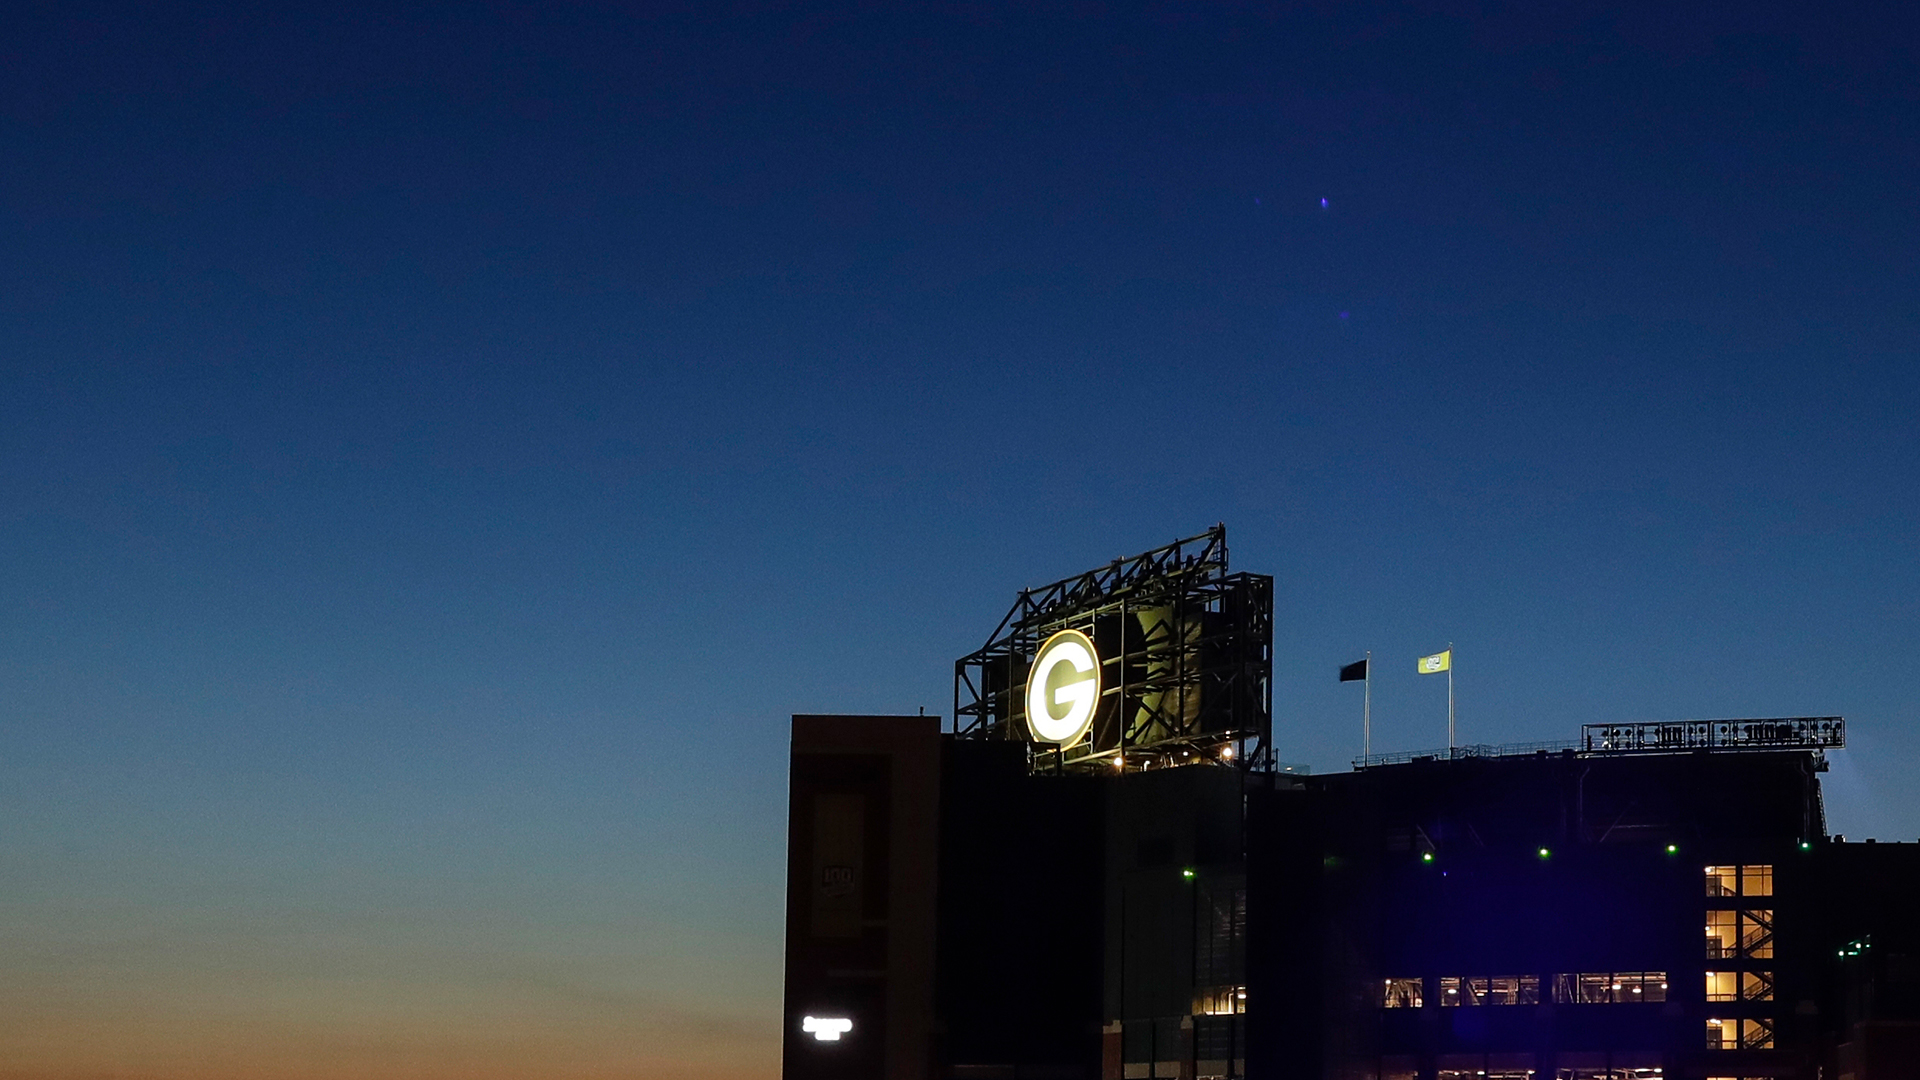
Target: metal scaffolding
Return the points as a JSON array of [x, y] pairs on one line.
[[1186, 654]]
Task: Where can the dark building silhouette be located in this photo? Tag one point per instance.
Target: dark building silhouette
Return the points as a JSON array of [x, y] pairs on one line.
[[1571, 915], [1100, 872]]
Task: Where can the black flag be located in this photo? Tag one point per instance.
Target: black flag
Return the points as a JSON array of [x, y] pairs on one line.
[[1354, 672]]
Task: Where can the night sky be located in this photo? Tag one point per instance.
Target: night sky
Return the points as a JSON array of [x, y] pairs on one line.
[[440, 446]]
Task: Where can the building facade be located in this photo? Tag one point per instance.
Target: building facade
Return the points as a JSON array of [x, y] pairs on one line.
[[1570, 915], [1098, 871]]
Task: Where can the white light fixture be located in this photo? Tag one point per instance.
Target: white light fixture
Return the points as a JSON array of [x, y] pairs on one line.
[[826, 1028]]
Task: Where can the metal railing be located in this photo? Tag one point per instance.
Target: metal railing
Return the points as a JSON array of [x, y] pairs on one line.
[[1475, 750], [1817, 733]]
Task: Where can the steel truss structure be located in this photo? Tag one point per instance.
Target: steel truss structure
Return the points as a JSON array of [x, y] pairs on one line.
[[1778, 733], [1186, 652], [1816, 733]]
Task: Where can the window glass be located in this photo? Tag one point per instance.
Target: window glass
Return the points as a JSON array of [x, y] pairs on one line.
[[1723, 1034], [1633, 987], [1756, 1034], [1490, 990], [1219, 1000], [1723, 985], [1214, 1044], [1509, 990], [1526, 990], [1756, 985], [1404, 994], [1756, 881], [1601, 988], [1721, 931], [1756, 934], [1720, 881]]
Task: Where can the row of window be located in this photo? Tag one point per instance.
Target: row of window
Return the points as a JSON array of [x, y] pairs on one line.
[[1739, 881], [1578, 988], [1585, 988], [1651, 1073]]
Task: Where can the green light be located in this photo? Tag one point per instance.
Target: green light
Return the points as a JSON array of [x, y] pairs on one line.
[[1426, 856], [1544, 853], [1673, 849], [1804, 846], [1188, 874]]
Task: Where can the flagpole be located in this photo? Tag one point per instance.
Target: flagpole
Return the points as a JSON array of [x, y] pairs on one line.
[[1366, 713], [1449, 697]]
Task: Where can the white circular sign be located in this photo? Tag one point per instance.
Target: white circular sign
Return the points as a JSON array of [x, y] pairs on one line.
[[1063, 689]]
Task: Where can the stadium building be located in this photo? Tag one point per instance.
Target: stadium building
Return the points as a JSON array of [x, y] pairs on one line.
[[1099, 871]]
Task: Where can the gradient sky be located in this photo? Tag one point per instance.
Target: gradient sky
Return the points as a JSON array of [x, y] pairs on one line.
[[440, 446]]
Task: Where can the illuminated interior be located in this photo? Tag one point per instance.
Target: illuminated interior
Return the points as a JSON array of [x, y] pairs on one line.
[[1722, 881], [1739, 1034], [1220, 1000], [1610, 988], [1722, 935], [1404, 994], [1756, 934], [1491, 990]]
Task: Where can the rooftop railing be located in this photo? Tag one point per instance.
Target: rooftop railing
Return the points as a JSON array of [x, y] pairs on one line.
[[1816, 733]]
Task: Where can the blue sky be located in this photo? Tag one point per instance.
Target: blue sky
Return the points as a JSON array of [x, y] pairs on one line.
[[439, 448]]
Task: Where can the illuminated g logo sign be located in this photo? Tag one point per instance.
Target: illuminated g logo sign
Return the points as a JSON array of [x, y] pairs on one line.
[[1063, 689]]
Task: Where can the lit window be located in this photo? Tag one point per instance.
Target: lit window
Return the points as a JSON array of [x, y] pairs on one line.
[[1723, 985], [1756, 985], [1720, 880], [1492, 990], [1634, 987], [1722, 1034], [1404, 994], [1219, 1000], [1756, 1034], [1756, 881], [1722, 933], [1610, 988], [1756, 934]]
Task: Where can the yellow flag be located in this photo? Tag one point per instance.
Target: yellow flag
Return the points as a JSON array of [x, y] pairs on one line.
[[1438, 662]]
